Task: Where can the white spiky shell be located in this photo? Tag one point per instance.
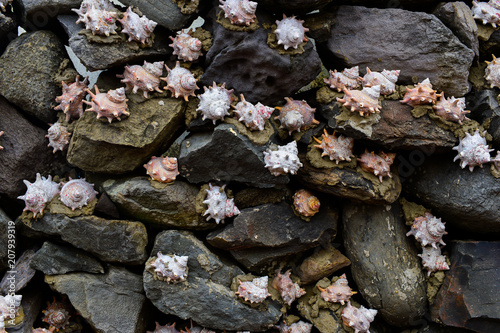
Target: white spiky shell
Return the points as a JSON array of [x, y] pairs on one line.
[[39, 193], [99, 21], [98, 4], [358, 319], [215, 102], [138, 28], [492, 72], [58, 136], [219, 206], [473, 151], [486, 13], [180, 81], [145, 78], [77, 193], [349, 78], [386, 80], [297, 327], [433, 260], [171, 267], [186, 47], [428, 229], [253, 116], [290, 32], [254, 291], [283, 160], [239, 12]]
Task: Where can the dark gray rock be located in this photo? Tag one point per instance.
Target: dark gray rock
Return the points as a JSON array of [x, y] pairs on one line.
[[113, 302], [469, 296], [8, 26], [484, 106], [4, 227], [293, 6], [36, 14], [205, 296], [31, 303], [27, 70], [270, 232], [54, 259], [418, 44], [109, 240], [384, 262], [463, 199], [168, 205], [19, 274]]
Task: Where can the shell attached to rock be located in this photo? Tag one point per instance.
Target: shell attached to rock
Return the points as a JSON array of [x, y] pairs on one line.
[[428, 229], [186, 47], [39, 193], [219, 206], [339, 292], [358, 319], [58, 136], [288, 289], [349, 78], [254, 291], [180, 81], [297, 327], [77, 193], [98, 21], [336, 148], [421, 94], [492, 72], [239, 12], [290, 32], [215, 102], [283, 160], [71, 100], [486, 12], [145, 78], [452, 109], [98, 4], [386, 80], [433, 260], [253, 116], [473, 151], [171, 268], [296, 115], [138, 28], [56, 315], [162, 169], [164, 329], [305, 203], [363, 101], [379, 165], [110, 105]]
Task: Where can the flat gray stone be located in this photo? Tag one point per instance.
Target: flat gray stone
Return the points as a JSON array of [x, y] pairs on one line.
[[35, 14], [4, 227]]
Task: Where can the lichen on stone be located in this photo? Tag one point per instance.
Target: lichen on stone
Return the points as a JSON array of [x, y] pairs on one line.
[[256, 137], [434, 283], [389, 188], [187, 6], [65, 73], [364, 124], [226, 23], [325, 95], [316, 160], [205, 37]]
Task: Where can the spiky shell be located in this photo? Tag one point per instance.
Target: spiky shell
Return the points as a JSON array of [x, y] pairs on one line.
[[9, 305], [296, 115], [219, 206], [138, 28], [305, 203], [56, 315], [99, 21], [171, 268], [39, 193], [186, 47], [421, 94], [253, 116], [338, 292], [492, 72], [486, 13], [433, 260], [283, 160], [77, 193], [97, 4], [363, 101], [473, 151], [358, 319], [386, 80], [58, 136], [288, 289], [452, 109], [180, 81], [290, 32], [162, 169], [254, 291], [145, 78], [379, 165], [215, 102], [71, 100], [298, 327], [111, 105], [164, 329], [239, 12], [428, 229], [349, 78], [336, 148], [4, 4]]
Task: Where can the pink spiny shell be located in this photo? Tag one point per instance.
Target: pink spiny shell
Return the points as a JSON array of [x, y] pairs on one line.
[[215, 102], [349, 78], [288, 289], [98, 4], [298, 327], [296, 115], [363, 101], [473, 151], [337, 292], [452, 109], [164, 329], [433, 260], [101, 22], [290, 32], [111, 105], [39, 193], [386, 80], [421, 94], [197, 329], [485, 12], [58, 136], [492, 72], [239, 12], [172, 268], [138, 28], [336, 148], [379, 165], [180, 81], [1, 133], [186, 48], [4, 4], [305, 203], [145, 78], [254, 291], [219, 206], [162, 169], [71, 100], [56, 315], [283, 160], [427, 230], [358, 319], [77, 193], [253, 116]]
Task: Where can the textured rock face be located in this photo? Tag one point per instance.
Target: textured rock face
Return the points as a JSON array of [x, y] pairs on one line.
[[484, 106], [35, 13], [384, 263], [4, 225], [420, 44], [208, 283], [321, 264]]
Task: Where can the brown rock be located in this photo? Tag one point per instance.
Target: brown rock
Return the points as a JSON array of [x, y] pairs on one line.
[[322, 264]]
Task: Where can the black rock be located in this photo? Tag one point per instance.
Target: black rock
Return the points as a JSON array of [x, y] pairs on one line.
[[483, 106], [19, 274]]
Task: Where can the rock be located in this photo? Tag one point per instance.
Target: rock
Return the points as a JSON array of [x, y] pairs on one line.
[[469, 296], [122, 146], [201, 158], [109, 240], [270, 232], [27, 70], [247, 64], [420, 45], [111, 302], [8, 26], [251, 196], [171, 205], [4, 238], [54, 259], [37, 14], [19, 274], [322, 263], [484, 106], [205, 296], [31, 304], [384, 262], [463, 199], [294, 6]]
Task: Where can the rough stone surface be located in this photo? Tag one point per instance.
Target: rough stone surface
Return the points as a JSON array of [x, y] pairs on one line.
[[420, 45], [8, 26], [384, 262], [4, 226], [484, 106], [469, 296], [31, 303], [27, 69], [205, 296], [36, 13], [124, 145], [296, 6], [113, 302], [321, 264], [168, 205], [21, 274], [54, 259], [463, 199], [109, 240], [269, 232]]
